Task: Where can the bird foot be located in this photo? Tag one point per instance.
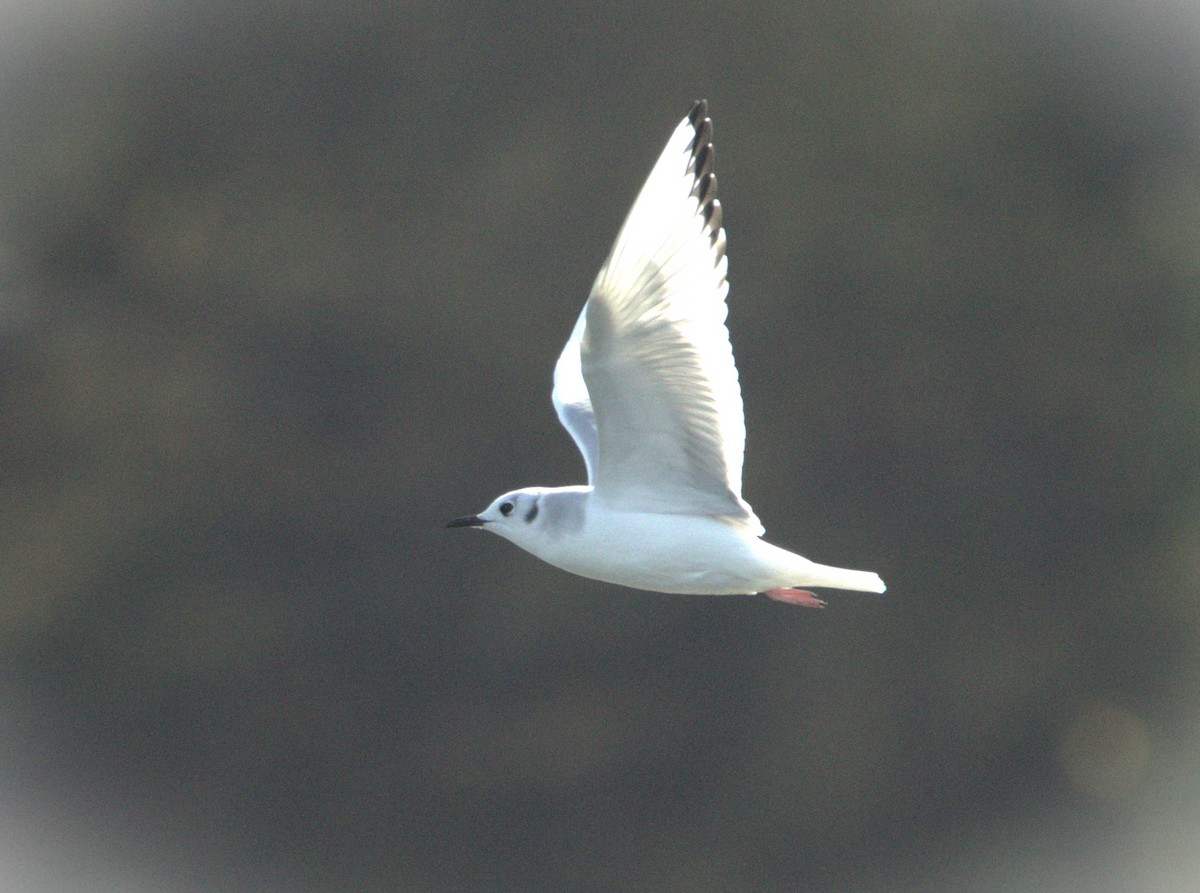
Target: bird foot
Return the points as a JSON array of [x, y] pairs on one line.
[[801, 597]]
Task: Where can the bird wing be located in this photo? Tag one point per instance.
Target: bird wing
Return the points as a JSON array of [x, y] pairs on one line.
[[647, 385], [572, 401]]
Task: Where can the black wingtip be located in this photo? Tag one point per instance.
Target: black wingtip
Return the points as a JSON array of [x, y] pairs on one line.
[[705, 183], [712, 219], [701, 146], [701, 124], [703, 160]]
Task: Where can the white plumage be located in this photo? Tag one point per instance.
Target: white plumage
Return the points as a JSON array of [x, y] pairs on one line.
[[647, 387]]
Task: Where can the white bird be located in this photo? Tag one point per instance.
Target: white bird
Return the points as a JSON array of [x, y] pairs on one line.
[[647, 388]]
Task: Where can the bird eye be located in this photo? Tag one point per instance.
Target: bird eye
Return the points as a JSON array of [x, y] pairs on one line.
[[506, 508]]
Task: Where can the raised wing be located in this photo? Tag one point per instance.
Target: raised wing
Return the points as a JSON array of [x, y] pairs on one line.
[[572, 402], [647, 384]]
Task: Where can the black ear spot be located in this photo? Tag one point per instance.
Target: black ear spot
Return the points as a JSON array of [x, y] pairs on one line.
[[532, 513], [506, 508]]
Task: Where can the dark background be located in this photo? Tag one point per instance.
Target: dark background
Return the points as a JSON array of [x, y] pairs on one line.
[[281, 289]]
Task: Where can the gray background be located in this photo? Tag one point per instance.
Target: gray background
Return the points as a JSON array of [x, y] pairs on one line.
[[281, 288]]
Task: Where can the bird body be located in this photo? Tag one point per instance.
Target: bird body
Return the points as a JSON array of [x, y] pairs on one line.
[[647, 387], [697, 554]]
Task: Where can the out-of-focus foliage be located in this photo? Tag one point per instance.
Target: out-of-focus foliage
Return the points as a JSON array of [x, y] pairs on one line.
[[281, 287]]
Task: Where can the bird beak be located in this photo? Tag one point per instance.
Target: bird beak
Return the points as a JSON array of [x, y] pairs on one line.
[[468, 521]]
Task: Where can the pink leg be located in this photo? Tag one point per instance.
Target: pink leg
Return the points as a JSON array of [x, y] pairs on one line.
[[801, 597]]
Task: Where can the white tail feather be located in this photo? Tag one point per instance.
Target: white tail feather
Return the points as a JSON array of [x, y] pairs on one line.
[[841, 578]]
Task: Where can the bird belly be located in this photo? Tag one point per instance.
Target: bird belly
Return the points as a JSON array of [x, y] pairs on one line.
[[666, 553]]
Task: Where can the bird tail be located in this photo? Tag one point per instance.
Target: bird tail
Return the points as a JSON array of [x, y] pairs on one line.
[[841, 578]]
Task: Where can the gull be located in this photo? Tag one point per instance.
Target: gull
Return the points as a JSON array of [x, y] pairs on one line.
[[647, 388]]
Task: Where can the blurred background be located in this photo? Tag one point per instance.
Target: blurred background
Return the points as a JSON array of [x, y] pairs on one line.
[[281, 290]]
